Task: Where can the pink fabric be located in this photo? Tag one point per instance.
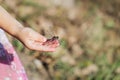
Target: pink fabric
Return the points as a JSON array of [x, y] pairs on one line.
[[10, 65]]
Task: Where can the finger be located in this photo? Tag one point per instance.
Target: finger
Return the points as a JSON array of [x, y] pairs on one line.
[[42, 38], [36, 35], [55, 44], [45, 48], [39, 47], [39, 38]]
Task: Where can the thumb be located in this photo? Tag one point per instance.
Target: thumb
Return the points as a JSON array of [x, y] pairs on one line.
[[41, 38]]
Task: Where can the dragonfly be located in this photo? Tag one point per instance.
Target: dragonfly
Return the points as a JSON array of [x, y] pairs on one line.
[[51, 37], [50, 34]]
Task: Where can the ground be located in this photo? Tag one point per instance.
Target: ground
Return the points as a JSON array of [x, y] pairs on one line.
[[89, 36]]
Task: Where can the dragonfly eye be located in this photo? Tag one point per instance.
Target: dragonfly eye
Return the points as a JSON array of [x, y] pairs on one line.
[[55, 37]]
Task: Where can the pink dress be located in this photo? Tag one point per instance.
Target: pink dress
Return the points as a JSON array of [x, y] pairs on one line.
[[10, 65]]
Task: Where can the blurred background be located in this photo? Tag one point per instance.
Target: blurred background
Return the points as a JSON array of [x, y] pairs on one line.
[[89, 35]]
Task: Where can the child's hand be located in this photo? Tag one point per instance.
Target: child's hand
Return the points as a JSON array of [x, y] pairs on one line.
[[35, 41], [27, 36]]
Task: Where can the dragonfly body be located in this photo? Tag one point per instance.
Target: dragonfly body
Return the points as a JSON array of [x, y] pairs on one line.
[[53, 38]]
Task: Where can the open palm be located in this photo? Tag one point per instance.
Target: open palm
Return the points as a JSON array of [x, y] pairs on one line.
[[34, 41]]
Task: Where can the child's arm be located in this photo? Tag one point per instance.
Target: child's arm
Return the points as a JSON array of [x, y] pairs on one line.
[[27, 36], [8, 23]]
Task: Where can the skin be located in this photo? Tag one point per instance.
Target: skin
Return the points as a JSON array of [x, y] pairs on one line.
[[30, 38]]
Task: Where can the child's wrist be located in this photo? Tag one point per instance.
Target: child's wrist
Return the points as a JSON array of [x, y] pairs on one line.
[[18, 31]]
